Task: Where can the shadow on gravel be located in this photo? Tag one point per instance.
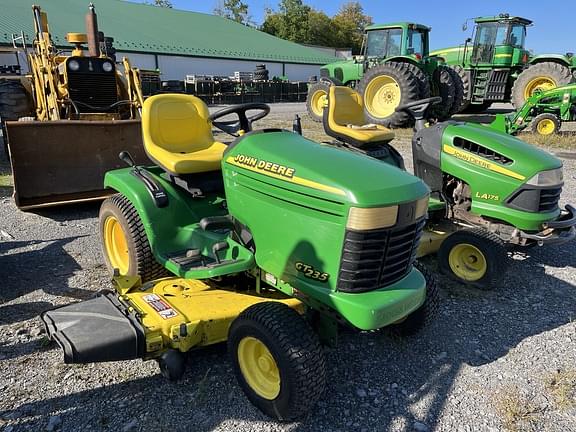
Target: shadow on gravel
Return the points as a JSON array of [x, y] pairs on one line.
[[75, 211], [31, 265], [376, 381]]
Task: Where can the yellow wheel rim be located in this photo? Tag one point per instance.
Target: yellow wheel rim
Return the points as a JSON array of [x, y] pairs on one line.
[[259, 368], [116, 245], [541, 82], [545, 127], [319, 101], [467, 262], [382, 96]]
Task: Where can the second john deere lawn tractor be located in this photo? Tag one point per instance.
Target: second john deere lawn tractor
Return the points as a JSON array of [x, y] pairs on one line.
[[394, 68], [489, 189], [272, 242]]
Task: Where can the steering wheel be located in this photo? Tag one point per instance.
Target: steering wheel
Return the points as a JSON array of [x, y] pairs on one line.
[[244, 123]]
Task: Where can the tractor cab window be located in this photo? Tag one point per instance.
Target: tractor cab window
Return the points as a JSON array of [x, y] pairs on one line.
[[384, 43], [517, 36], [501, 35], [416, 42]]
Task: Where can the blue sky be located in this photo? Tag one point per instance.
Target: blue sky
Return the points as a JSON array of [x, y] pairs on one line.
[[553, 29]]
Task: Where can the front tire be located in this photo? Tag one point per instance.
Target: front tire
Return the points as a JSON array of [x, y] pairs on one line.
[[543, 76], [383, 89], [474, 257], [277, 359], [425, 314], [316, 100], [446, 89], [545, 124], [124, 242]]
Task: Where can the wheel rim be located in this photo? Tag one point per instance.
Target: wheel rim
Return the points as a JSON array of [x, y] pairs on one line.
[[543, 83], [116, 245], [467, 262], [382, 96], [319, 99], [545, 127], [259, 368]]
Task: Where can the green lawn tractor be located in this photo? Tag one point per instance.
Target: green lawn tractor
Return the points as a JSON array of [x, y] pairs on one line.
[[495, 66], [269, 243], [394, 68], [543, 113], [489, 190]]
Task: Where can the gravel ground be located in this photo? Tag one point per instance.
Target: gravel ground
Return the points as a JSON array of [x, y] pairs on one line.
[[504, 359]]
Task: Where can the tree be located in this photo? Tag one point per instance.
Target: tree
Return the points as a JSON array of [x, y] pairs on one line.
[[161, 3], [320, 29], [290, 22], [236, 10], [349, 24]]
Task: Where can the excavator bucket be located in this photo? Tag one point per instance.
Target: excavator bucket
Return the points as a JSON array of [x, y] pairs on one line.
[[60, 162]]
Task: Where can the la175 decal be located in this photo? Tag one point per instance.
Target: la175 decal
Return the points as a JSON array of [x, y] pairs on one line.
[[310, 272]]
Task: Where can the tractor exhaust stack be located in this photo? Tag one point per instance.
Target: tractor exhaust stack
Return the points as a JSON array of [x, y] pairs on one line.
[[92, 32]]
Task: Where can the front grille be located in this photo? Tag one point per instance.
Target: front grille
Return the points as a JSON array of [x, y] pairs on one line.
[[97, 90], [377, 258], [497, 84], [324, 73], [535, 200], [481, 151]]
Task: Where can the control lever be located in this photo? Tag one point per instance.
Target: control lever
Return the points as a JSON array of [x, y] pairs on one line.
[[155, 190], [297, 125], [220, 246]]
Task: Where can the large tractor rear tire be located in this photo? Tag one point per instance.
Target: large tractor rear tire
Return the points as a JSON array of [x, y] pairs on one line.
[[446, 89], [458, 91], [14, 104], [124, 242], [277, 359], [316, 100], [544, 76], [421, 78], [383, 89], [466, 88]]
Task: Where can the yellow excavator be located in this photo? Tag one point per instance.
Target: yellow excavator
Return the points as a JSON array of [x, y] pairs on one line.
[[85, 112]]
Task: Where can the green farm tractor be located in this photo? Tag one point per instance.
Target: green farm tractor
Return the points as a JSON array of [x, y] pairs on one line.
[[495, 66], [543, 113], [269, 243], [490, 191], [394, 68]]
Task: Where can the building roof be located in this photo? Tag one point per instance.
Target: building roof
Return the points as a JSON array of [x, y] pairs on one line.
[[138, 27]]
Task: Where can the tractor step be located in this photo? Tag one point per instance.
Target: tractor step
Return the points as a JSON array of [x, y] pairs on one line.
[[96, 330]]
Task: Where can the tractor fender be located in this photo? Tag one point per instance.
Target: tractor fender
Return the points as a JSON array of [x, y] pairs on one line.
[[166, 220], [554, 58]]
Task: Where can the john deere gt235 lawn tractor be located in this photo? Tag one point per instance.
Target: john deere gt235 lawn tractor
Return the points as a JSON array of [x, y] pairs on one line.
[[271, 242], [489, 189]]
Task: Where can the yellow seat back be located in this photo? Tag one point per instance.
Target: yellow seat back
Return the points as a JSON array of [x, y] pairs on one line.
[[345, 107], [177, 134]]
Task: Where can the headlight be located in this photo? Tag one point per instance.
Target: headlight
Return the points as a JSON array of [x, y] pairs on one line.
[[361, 219], [547, 178], [73, 65], [107, 66]]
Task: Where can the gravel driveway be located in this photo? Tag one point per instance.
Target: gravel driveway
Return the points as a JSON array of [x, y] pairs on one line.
[[504, 359]]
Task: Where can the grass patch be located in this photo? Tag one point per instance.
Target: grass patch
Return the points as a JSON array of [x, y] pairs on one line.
[[566, 140], [516, 411], [561, 385]]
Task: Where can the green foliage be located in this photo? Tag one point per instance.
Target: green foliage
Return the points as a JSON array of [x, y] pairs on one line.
[[298, 22], [161, 3], [236, 10]]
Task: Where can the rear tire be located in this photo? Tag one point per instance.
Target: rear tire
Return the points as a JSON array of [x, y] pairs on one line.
[[14, 104], [124, 242], [383, 89], [545, 76], [277, 359], [317, 96], [545, 124], [465, 80], [425, 314], [474, 257], [445, 88], [458, 92]]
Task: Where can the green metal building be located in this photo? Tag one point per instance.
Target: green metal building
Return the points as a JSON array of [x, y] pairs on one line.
[[179, 43]]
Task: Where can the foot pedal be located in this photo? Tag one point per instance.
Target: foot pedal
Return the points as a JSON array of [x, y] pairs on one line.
[[213, 223], [188, 259], [220, 246]]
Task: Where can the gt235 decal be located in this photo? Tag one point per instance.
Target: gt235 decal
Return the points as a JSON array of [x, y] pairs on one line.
[[310, 272]]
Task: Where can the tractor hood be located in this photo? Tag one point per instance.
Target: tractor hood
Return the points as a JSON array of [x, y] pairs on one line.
[[290, 161], [523, 160]]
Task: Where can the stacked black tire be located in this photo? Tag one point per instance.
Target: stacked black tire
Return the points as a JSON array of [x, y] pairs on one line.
[[414, 85], [261, 73], [14, 103]]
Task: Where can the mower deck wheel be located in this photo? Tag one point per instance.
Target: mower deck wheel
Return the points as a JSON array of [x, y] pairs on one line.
[[474, 257], [545, 124], [172, 365], [277, 359]]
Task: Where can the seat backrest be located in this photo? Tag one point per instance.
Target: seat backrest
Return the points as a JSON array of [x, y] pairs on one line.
[[177, 123], [345, 106]]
